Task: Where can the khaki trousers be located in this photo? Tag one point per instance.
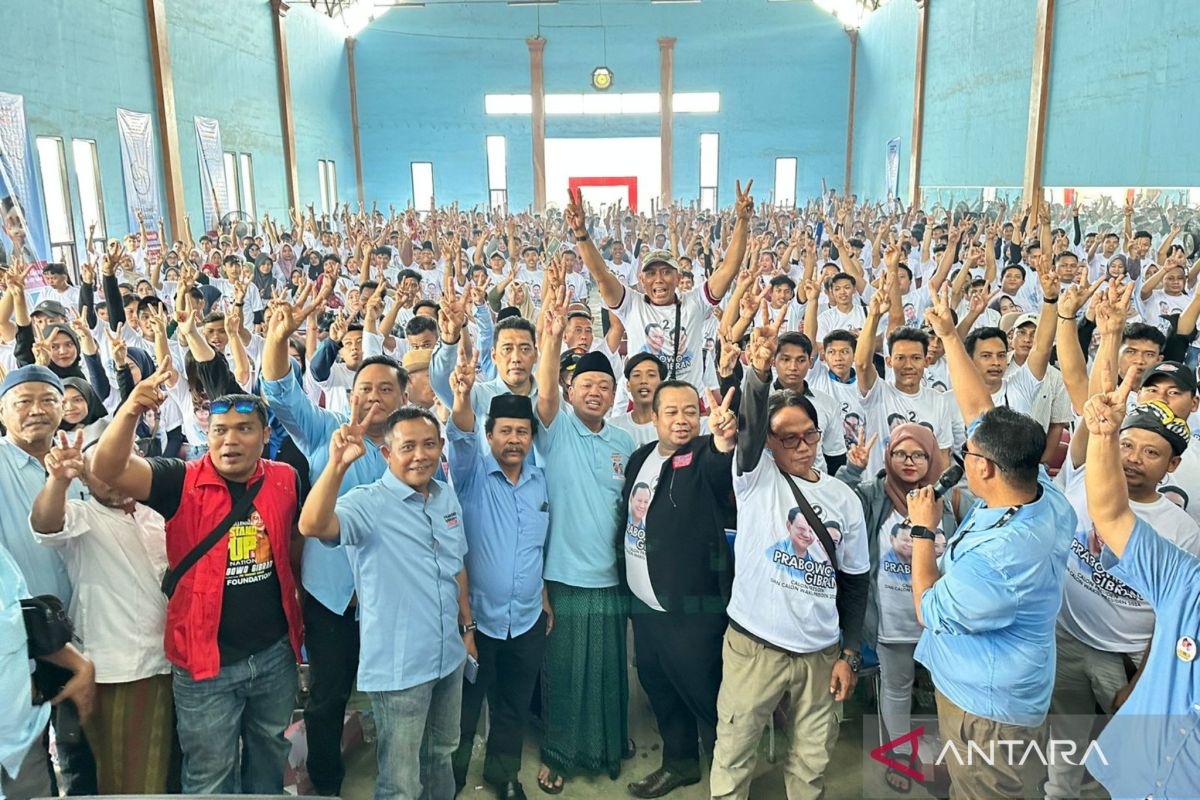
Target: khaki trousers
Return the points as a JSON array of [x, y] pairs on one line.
[[754, 680], [1084, 678], [985, 771]]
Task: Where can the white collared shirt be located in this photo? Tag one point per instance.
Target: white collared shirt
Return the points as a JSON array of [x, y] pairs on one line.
[[116, 562]]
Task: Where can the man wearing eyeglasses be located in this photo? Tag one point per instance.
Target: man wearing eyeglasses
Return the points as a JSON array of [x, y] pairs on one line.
[[991, 608], [796, 610], [233, 620]]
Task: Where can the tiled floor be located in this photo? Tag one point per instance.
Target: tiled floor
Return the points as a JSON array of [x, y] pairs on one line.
[[844, 775]]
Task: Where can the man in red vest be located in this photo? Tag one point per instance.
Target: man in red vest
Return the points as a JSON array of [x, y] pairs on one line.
[[233, 619]]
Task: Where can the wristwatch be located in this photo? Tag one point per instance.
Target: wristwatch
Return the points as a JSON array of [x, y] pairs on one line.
[[463, 630], [921, 532], [578, 237], [853, 659]]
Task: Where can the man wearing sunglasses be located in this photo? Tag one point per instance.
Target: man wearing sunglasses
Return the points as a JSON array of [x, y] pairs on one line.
[[233, 618], [991, 609], [331, 626]]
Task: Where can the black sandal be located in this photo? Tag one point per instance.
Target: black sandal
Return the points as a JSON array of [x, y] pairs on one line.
[[556, 782], [892, 772]]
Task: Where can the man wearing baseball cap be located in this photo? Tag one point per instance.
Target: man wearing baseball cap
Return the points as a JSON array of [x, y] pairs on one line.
[[1149, 746], [657, 318], [1103, 626]]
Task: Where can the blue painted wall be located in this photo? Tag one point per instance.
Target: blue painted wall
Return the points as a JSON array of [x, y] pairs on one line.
[[977, 93], [1124, 108], [883, 96], [229, 72], [74, 63], [781, 69]]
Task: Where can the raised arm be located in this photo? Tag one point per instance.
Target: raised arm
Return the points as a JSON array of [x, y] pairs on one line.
[[969, 390], [864, 350], [114, 460], [721, 279], [1043, 342], [554, 313], [612, 291], [283, 319], [754, 425], [64, 463], [1107, 494], [318, 517]]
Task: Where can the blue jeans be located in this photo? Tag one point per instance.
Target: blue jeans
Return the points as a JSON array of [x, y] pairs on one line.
[[417, 732], [245, 710]]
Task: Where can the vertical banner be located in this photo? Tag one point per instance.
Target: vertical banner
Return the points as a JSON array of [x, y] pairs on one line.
[[140, 171], [21, 207], [892, 168], [212, 170]]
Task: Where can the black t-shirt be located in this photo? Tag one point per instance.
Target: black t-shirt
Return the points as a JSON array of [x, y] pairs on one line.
[[252, 617]]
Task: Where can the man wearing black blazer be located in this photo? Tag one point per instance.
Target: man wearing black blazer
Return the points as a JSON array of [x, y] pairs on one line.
[[677, 567]]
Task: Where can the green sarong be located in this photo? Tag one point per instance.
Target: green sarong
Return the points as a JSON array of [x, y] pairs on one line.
[[585, 685]]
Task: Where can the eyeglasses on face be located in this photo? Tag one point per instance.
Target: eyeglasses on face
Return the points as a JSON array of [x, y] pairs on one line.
[[918, 457], [791, 441]]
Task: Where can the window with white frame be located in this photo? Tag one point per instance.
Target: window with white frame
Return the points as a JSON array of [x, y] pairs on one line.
[[91, 195], [230, 201], [609, 103], [422, 186], [709, 148], [497, 166], [327, 180], [785, 182], [246, 183], [56, 195]]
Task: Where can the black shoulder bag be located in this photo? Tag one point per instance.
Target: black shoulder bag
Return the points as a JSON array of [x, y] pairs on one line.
[[172, 577]]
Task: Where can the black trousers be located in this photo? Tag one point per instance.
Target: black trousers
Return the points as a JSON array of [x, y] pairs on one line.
[[332, 643], [508, 671], [679, 667]]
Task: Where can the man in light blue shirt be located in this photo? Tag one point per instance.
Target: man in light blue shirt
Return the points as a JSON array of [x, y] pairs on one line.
[[586, 708], [514, 353], [31, 409], [24, 769], [506, 513], [331, 629], [406, 533], [989, 614], [1151, 748]]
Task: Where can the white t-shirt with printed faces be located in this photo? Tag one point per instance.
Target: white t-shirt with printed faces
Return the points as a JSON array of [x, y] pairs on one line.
[[833, 319], [897, 615], [784, 590], [651, 329], [1159, 305], [640, 497], [886, 407], [1098, 609], [849, 415]]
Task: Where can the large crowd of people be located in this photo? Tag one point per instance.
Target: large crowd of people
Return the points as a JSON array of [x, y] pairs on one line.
[[456, 455]]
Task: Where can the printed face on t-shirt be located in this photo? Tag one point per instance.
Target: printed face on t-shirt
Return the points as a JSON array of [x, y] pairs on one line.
[[801, 534]]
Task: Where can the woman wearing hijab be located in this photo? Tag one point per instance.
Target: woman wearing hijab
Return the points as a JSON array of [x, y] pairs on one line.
[[81, 406], [912, 460], [62, 351], [264, 278]]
